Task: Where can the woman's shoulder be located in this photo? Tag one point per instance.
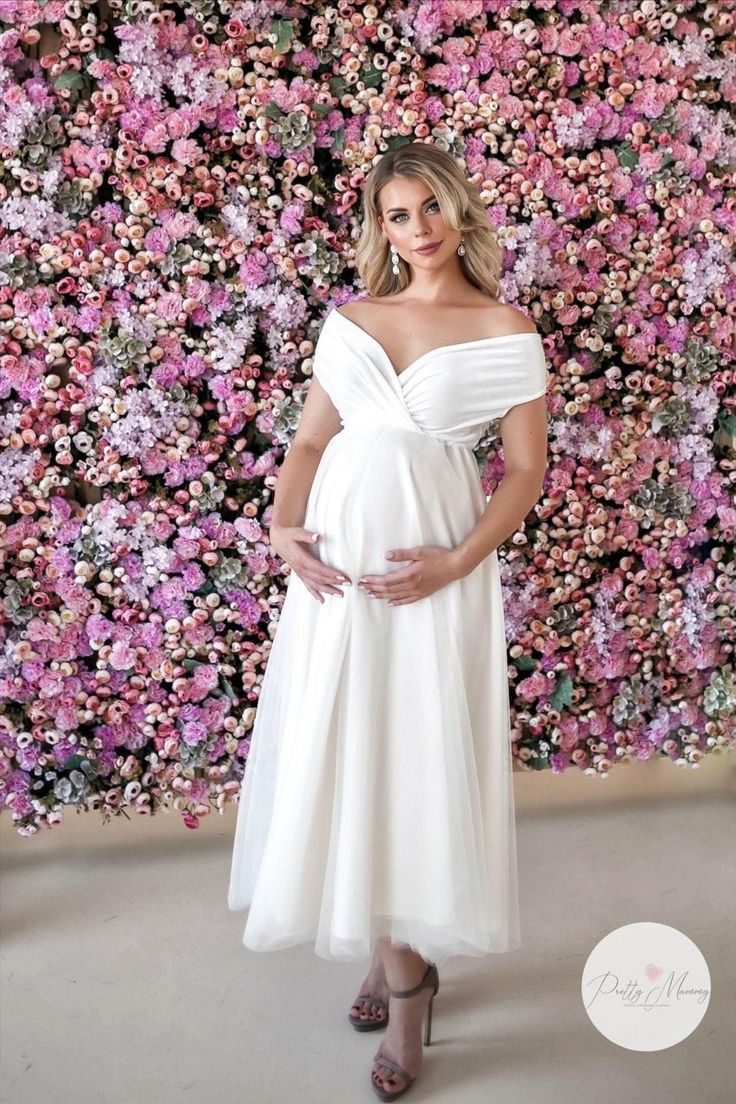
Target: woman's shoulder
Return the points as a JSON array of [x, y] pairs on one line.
[[355, 307], [511, 320]]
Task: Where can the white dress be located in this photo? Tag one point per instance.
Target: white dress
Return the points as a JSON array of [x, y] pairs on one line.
[[377, 797]]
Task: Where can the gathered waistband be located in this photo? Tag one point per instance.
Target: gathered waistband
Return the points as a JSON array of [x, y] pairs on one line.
[[373, 427]]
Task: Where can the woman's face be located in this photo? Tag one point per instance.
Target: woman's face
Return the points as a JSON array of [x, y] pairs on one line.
[[411, 217]]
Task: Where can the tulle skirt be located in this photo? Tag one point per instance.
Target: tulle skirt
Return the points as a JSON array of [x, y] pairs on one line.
[[377, 798]]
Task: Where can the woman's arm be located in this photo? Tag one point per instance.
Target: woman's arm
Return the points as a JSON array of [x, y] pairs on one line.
[[524, 436], [319, 422]]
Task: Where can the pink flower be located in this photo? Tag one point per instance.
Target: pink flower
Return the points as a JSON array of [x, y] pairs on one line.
[[157, 239], [122, 657], [186, 151]]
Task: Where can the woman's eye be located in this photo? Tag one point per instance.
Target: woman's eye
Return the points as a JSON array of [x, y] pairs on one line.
[[433, 204]]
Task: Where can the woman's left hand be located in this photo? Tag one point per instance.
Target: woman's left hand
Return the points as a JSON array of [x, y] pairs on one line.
[[431, 568]]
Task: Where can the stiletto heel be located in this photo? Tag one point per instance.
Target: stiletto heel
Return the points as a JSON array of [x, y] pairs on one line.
[[431, 979], [429, 1022]]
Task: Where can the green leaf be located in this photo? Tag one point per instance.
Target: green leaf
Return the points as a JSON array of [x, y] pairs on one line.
[[227, 687], [524, 663], [372, 77], [74, 762], [562, 694], [628, 158], [70, 78], [338, 87], [284, 31], [395, 140]]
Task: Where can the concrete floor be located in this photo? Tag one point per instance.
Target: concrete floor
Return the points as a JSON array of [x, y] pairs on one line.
[[124, 980]]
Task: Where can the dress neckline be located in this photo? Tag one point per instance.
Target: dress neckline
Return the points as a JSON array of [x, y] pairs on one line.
[[437, 348]]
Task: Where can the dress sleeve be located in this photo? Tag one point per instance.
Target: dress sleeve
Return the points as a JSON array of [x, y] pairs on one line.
[[321, 359], [527, 378], [319, 364]]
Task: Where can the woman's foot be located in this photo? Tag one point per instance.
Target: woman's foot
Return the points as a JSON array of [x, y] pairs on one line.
[[402, 1042], [374, 985]]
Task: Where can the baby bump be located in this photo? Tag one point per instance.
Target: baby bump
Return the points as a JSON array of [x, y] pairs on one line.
[[390, 488]]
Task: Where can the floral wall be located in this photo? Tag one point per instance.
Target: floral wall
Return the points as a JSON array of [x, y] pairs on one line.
[[179, 203]]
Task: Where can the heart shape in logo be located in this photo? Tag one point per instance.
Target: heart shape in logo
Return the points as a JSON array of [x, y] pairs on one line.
[[654, 973]]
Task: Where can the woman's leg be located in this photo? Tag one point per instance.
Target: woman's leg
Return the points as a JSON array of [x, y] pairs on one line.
[[404, 967], [374, 984], [403, 1040]]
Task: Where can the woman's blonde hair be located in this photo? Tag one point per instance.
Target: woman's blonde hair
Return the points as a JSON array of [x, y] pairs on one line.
[[462, 209]]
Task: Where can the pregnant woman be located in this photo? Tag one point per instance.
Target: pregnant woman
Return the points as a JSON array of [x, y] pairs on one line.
[[376, 815]]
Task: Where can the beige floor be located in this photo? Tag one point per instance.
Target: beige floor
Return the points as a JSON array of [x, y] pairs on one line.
[[124, 980]]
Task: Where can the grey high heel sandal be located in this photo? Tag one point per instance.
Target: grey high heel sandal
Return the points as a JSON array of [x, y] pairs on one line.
[[431, 978]]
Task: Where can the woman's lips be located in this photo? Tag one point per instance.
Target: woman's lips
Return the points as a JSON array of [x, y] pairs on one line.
[[429, 248]]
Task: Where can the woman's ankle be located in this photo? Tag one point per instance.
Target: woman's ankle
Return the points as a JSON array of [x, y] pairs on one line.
[[378, 960], [404, 968]]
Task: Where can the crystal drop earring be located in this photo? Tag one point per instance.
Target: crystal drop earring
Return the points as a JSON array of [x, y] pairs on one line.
[[394, 260], [461, 247]]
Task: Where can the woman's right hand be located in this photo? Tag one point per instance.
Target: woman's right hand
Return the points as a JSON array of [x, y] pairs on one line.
[[291, 542]]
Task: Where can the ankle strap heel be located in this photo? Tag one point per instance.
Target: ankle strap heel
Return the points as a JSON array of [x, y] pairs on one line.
[[431, 979]]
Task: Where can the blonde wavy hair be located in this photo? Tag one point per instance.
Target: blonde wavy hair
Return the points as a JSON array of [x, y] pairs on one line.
[[462, 209]]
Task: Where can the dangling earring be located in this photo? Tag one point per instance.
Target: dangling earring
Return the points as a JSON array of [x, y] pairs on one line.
[[394, 260], [461, 247]]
